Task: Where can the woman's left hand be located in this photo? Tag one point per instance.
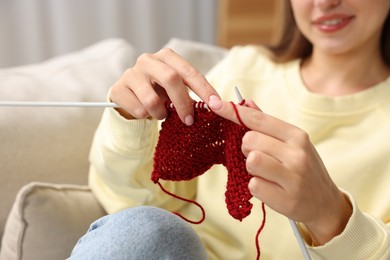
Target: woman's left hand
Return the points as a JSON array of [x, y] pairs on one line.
[[288, 174]]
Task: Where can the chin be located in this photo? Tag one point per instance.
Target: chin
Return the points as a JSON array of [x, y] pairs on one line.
[[333, 48]]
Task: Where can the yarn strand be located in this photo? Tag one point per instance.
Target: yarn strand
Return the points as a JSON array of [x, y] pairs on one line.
[[186, 200], [238, 114], [259, 231]]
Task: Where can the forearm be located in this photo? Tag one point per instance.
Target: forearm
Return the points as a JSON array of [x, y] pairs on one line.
[[121, 161]]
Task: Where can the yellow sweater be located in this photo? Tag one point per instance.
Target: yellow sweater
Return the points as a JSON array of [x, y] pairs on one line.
[[351, 133]]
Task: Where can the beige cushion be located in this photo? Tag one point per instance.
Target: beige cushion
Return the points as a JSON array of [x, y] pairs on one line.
[[201, 55], [47, 220], [52, 144]]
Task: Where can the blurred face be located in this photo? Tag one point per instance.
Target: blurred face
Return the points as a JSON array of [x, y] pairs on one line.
[[339, 26]]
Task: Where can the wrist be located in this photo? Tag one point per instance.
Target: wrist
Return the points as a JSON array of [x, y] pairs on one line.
[[332, 223]]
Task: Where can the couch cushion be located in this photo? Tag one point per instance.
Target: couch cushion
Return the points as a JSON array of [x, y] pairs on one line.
[[47, 220], [52, 144], [200, 55]]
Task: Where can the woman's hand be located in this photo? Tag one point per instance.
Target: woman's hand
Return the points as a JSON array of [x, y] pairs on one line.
[[288, 174], [142, 90]]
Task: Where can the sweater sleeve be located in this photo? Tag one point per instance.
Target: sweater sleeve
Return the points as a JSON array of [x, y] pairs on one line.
[[121, 163], [364, 237]]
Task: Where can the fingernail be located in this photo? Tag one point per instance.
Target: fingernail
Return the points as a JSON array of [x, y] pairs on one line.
[[189, 120], [215, 103]]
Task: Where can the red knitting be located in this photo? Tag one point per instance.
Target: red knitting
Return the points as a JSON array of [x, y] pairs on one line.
[[185, 152]]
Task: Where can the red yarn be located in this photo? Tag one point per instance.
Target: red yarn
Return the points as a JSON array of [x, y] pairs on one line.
[[185, 152], [188, 200]]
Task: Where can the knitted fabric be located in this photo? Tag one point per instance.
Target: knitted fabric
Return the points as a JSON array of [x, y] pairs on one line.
[[185, 152]]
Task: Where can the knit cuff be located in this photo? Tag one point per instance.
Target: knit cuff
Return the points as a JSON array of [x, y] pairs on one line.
[[362, 238], [131, 135]]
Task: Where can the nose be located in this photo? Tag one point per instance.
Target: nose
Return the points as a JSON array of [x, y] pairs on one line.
[[326, 4]]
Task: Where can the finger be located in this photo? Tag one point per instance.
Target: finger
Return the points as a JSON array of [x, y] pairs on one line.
[[268, 192], [267, 167], [254, 120], [257, 141], [169, 78], [191, 77], [148, 100], [152, 98], [129, 105], [252, 104]]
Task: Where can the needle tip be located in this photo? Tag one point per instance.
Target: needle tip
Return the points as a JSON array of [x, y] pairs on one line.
[[238, 94]]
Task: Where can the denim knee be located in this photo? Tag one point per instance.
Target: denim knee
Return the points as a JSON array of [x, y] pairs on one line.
[[140, 233]]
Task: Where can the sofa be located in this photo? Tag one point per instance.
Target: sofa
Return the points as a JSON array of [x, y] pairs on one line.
[[46, 204]]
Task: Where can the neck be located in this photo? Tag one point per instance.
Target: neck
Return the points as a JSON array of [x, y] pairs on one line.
[[337, 75]]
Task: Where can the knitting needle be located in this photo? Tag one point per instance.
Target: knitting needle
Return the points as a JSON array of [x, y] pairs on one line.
[[301, 243], [293, 224], [238, 95], [55, 104]]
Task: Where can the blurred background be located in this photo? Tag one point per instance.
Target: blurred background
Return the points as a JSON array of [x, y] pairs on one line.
[[52, 145], [35, 30]]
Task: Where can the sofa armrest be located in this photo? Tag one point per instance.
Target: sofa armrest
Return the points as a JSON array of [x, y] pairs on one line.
[[47, 220], [52, 144]]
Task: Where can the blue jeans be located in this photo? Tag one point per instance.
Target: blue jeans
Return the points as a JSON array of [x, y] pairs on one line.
[[140, 233]]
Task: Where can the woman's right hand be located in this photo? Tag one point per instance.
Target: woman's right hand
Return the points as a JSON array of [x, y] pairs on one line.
[[143, 89]]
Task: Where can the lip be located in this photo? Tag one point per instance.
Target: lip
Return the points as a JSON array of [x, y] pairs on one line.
[[332, 23]]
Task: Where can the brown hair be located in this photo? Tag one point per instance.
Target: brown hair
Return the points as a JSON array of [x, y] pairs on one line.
[[292, 44]]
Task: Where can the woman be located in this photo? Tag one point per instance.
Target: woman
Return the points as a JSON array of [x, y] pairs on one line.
[[319, 153]]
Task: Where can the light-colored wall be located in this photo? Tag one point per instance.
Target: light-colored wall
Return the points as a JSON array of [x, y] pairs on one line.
[[35, 30]]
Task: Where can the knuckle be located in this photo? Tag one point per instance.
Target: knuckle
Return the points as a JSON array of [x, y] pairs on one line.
[[190, 72], [256, 116], [127, 75], [253, 159], [170, 76], [246, 142], [248, 137], [252, 186], [165, 51], [115, 90], [152, 102], [183, 105], [302, 137], [140, 113], [301, 154], [187, 69], [128, 72], [143, 58]]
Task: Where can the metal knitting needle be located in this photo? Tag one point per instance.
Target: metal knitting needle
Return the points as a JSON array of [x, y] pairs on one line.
[[238, 95], [301, 243], [55, 104], [293, 224]]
